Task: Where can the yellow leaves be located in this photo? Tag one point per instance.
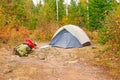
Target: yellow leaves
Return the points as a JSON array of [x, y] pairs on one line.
[[1, 10], [64, 20], [118, 17], [117, 22], [83, 2], [112, 23]]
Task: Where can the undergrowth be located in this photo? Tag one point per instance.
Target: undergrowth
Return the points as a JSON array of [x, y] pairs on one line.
[[12, 36]]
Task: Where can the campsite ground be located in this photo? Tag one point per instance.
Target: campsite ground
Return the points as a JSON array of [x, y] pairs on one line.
[[59, 64]]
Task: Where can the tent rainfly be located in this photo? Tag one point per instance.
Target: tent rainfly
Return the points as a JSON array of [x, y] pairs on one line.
[[70, 36]]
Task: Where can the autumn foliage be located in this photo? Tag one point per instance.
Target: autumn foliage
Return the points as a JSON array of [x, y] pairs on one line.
[[13, 35], [112, 33]]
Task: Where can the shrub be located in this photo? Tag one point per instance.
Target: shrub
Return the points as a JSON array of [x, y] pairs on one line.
[[112, 33]]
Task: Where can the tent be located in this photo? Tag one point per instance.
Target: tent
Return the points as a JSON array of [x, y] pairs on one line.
[[70, 36]]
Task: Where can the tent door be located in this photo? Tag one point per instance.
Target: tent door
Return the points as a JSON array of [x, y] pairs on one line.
[[66, 40]]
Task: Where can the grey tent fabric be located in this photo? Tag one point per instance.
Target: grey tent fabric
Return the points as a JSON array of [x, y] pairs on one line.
[[66, 40], [70, 36]]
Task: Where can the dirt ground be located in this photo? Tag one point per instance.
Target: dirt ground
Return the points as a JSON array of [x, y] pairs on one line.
[[52, 64]]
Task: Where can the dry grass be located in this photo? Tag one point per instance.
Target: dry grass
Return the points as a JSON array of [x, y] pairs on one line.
[[44, 33]]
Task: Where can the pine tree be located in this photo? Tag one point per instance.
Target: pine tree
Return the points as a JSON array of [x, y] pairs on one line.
[[97, 8]]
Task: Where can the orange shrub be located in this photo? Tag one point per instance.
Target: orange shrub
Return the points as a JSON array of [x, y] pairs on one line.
[[13, 36]]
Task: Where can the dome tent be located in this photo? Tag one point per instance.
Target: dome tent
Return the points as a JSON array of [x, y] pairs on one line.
[[70, 36]]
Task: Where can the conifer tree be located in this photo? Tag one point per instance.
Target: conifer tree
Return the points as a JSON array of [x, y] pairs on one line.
[[97, 8]]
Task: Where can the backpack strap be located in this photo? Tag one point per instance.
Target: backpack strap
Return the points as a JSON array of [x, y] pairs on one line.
[[27, 44]]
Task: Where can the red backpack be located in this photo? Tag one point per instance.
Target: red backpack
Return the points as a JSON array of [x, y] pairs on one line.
[[30, 43]]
